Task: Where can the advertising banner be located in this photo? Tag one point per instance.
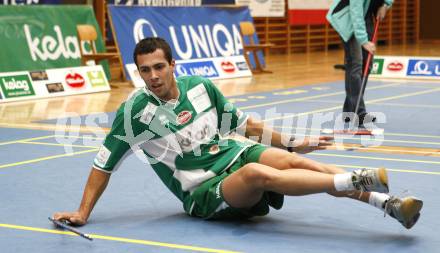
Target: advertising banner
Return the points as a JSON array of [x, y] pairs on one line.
[[42, 37], [198, 36], [412, 67], [156, 2], [264, 8], [169, 2], [22, 85], [213, 68], [308, 12], [23, 2]]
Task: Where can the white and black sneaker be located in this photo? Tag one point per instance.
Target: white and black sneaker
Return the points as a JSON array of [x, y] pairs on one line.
[[369, 180], [405, 210]]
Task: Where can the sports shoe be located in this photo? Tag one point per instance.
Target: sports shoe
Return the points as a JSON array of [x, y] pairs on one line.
[[405, 210], [369, 180]]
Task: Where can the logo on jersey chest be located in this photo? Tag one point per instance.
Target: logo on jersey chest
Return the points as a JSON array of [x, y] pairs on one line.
[[183, 117], [214, 149]]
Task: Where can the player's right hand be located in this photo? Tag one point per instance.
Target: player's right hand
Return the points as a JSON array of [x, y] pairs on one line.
[[74, 218], [370, 47]]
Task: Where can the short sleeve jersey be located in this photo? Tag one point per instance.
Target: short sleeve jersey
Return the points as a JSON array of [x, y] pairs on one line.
[[183, 142]]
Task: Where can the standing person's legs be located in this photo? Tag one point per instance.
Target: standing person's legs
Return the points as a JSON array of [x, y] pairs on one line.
[[370, 29], [353, 76]]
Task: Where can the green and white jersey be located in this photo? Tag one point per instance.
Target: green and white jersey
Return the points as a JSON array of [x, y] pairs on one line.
[[184, 142]]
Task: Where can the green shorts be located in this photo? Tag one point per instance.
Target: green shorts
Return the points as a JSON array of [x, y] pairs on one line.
[[208, 197]]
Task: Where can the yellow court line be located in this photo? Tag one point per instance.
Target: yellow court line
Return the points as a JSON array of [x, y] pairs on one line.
[[28, 139], [377, 158], [294, 115], [395, 170], [121, 239], [52, 127], [47, 158], [50, 136], [57, 144], [310, 97]]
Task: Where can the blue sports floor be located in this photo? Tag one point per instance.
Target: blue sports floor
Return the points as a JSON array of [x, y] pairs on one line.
[[42, 172]]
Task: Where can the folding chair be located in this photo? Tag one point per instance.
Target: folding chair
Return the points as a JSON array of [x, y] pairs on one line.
[[247, 30]]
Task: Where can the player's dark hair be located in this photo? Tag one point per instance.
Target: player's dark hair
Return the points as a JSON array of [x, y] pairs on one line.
[[149, 45]]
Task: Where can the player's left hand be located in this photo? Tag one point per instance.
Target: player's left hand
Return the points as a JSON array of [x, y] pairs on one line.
[[312, 143]]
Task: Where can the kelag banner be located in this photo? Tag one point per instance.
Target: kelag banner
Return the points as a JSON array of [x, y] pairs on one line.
[[42, 37], [194, 33], [20, 85]]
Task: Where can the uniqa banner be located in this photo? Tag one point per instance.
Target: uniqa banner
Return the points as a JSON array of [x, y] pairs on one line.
[[406, 67], [195, 34], [42, 37]]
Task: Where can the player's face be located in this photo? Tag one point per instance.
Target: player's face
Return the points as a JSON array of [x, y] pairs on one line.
[[157, 73]]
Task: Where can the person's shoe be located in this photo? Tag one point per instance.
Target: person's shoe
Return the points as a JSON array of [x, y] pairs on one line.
[[369, 180], [405, 210]]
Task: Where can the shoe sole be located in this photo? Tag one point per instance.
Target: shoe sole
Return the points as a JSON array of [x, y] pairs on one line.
[[411, 211], [383, 178]]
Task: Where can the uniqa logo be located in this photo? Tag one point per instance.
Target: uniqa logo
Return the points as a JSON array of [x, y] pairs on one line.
[[138, 30], [52, 48], [421, 68], [200, 41], [181, 70]]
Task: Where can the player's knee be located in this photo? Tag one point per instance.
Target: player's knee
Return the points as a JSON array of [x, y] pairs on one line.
[[257, 175], [292, 161]]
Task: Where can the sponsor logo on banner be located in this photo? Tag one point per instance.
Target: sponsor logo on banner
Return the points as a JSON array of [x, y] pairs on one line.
[[96, 78], [54, 87], [395, 66], [16, 86], [184, 117], [202, 41], [242, 65], [75, 80], [424, 68], [38, 75], [227, 67], [377, 66], [142, 29], [201, 68], [47, 47]]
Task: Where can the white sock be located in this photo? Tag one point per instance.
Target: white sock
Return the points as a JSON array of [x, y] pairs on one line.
[[343, 182], [378, 199]]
